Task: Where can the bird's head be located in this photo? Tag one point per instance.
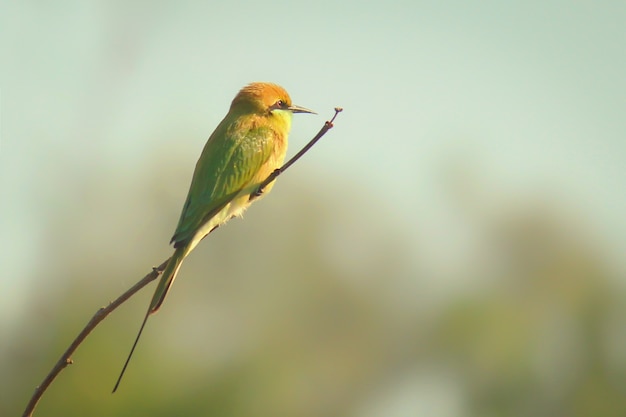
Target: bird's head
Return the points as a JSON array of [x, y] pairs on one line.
[[266, 99]]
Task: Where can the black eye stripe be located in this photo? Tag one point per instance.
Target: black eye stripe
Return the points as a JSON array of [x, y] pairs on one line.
[[280, 104]]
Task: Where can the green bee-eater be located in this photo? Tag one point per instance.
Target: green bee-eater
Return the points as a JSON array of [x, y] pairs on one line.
[[244, 149]]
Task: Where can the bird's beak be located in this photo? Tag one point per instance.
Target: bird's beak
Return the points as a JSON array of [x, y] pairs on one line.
[[298, 109]]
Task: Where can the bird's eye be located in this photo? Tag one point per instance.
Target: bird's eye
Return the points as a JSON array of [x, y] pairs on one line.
[[280, 104]]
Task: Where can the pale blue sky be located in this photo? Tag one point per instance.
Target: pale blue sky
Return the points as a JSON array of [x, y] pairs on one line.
[[530, 95]]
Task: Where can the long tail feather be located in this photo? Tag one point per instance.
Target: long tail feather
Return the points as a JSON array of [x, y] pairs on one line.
[[165, 283], [119, 378]]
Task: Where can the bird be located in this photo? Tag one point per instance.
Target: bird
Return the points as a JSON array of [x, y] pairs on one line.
[[245, 148]]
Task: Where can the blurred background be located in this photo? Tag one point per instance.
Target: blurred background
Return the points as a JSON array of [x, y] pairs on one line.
[[453, 247]]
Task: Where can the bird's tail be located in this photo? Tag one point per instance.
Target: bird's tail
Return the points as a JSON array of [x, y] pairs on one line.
[[167, 278]]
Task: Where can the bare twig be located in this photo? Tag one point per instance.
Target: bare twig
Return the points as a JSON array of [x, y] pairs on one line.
[[327, 126], [102, 313]]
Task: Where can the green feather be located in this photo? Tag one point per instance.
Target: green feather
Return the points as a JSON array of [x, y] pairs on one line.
[[227, 165]]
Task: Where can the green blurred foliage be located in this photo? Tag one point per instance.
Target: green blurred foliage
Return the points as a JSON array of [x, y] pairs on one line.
[[305, 308], [453, 248]]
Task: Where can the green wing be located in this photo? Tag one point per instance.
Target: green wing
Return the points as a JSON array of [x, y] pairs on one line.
[[230, 160]]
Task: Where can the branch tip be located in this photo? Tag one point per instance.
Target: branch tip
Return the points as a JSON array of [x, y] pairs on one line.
[[327, 126]]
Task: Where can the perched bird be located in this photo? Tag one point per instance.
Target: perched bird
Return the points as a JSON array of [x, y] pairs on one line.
[[244, 149]]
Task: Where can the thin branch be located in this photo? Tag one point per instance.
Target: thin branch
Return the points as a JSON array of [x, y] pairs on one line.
[[102, 313], [327, 126]]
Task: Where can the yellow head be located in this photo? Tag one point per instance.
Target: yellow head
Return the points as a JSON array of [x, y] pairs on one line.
[[266, 99]]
